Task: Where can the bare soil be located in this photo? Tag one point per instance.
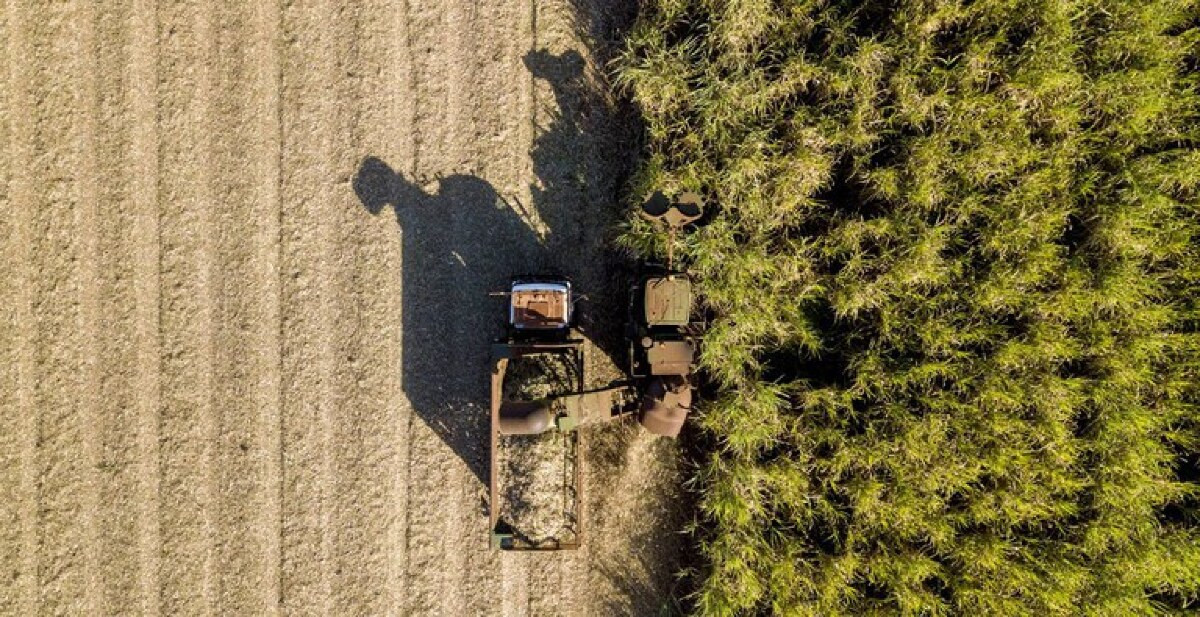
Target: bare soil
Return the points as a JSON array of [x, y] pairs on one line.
[[244, 264]]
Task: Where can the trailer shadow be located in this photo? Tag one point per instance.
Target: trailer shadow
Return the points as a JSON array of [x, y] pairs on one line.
[[461, 239]]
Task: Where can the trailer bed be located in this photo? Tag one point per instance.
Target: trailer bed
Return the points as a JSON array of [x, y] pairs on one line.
[[535, 501]]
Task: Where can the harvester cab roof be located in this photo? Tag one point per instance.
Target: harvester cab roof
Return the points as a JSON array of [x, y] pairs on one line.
[[667, 300]]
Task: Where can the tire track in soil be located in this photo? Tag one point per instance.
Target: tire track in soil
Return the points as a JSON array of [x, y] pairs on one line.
[[522, 80], [84, 67], [474, 103], [189, 278], [366, 322], [63, 380], [244, 282], [119, 342], [266, 191], [18, 424], [144, 244], [402, 143], [545, 586], [431, 522], [306, 237]]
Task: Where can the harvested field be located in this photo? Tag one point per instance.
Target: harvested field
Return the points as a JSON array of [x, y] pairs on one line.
[[244, 264]]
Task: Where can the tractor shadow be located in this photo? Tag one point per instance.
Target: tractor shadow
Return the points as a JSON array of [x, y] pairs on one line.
[[461, 240]]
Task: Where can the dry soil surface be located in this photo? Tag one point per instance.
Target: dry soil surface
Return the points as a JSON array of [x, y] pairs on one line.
[[244, 255]]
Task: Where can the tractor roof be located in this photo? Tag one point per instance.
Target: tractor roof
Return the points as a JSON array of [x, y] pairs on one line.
[[540, 306]]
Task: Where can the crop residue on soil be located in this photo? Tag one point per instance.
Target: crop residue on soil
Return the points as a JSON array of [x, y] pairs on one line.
[[538, 376]]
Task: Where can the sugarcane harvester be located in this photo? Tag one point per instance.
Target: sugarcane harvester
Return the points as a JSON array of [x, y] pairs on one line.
[[662, 337], [662, 354]]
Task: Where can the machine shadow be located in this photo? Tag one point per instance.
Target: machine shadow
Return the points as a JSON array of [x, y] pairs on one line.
[[458, 243], [462, 240]]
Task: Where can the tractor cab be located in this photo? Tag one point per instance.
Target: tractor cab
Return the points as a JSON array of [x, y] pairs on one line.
[[540, 307]]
